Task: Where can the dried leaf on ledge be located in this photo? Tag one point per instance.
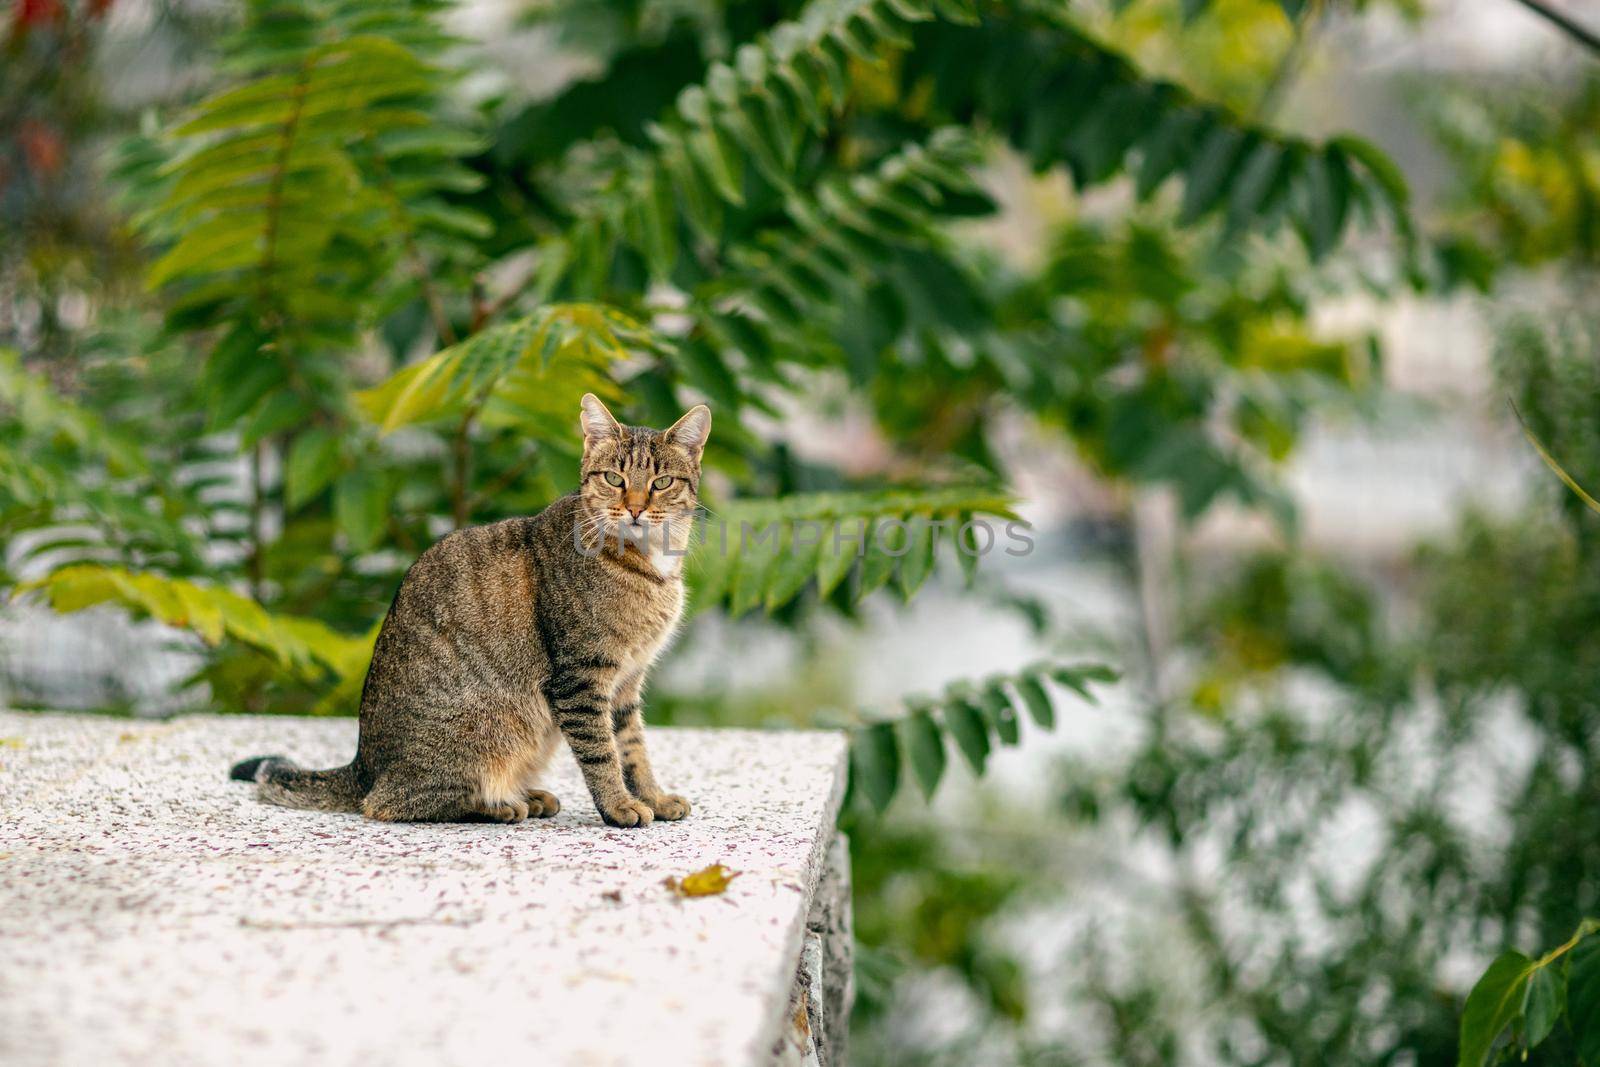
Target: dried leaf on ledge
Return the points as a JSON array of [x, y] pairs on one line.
[[708, 881]]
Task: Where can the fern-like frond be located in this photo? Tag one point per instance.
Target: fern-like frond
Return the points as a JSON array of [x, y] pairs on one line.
[[764, 553], [786, 293], [1065, 99], [74, 487], [303, 647], [36, 413], [755, 109], [309, 196], [267, 179], [972, 716], [529, 373], [1058, 95]]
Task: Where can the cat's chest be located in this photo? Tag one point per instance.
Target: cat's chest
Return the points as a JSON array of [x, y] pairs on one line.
[[646, 628]]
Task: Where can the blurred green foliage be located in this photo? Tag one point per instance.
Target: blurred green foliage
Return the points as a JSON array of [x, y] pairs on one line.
[[270, 329], [334, 206]]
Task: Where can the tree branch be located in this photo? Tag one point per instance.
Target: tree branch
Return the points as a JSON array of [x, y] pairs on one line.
[[1590, 39], [502, 483], [1289, 63]]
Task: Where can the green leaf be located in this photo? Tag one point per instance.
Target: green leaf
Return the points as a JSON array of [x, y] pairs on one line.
[[1583, 995], [1492, 1005], [312, 462], [711, 567], [238, 376], [361, 508], [1001, 715], [1254, 189], [795, 566], [963, 12], [875, 763], [838, 553], [1076, 679], [1543, 1003], [971, 733], [759, 553], [1388, 176], [917, 563], [1037, 701], [967, 546], [1166, 147], [1327, 184], [884, 550], [281, 410], [452, 219], [924, 744], [719, 160], [1213, 169], [658, 229]]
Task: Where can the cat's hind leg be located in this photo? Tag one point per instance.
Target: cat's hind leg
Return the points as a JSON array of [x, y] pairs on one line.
[[401, 797], [520, 774], [542, 804]]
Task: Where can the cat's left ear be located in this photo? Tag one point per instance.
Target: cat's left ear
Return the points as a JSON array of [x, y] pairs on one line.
[[691, 431]]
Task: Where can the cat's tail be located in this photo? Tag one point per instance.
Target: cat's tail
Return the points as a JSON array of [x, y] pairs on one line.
[[284, 782]]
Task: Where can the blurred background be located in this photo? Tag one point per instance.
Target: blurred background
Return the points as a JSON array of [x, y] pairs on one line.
[[1237, 302]]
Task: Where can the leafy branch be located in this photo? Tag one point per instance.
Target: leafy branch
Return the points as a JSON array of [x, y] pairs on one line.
[[306, 648], [1071, 100], [765, 553], [1529, 997], [63, 467], [971, 715], [793, 79], [1550, 461], [521, 373]]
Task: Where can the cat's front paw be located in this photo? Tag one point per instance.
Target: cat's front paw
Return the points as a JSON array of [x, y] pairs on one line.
[[626, 813], [668, 806]]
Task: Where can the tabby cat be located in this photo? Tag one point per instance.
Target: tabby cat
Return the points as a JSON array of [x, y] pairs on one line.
[[504, 637]]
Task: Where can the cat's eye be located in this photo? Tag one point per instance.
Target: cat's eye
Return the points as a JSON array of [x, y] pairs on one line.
[[661, 482], [614, 479]]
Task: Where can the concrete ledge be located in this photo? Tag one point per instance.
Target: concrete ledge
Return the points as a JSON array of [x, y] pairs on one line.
[[152, 911]]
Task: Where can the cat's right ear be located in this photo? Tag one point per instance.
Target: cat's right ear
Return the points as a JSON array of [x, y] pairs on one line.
[[596, 422]]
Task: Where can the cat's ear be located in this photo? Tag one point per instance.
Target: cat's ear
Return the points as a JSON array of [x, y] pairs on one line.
[[691, 431], [596, 422]]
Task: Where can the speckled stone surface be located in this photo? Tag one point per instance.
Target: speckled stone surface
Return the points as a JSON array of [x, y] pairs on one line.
[[153, 911]]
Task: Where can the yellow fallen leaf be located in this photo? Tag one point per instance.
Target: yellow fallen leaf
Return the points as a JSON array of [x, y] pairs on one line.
[[703, 883]]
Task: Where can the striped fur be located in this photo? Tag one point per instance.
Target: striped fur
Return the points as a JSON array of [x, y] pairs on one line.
[[504, 638]]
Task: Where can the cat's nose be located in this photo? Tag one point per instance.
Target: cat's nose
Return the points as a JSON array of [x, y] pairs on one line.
[[635, 511]]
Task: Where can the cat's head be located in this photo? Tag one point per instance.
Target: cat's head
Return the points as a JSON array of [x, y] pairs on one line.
[[637, 480]]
